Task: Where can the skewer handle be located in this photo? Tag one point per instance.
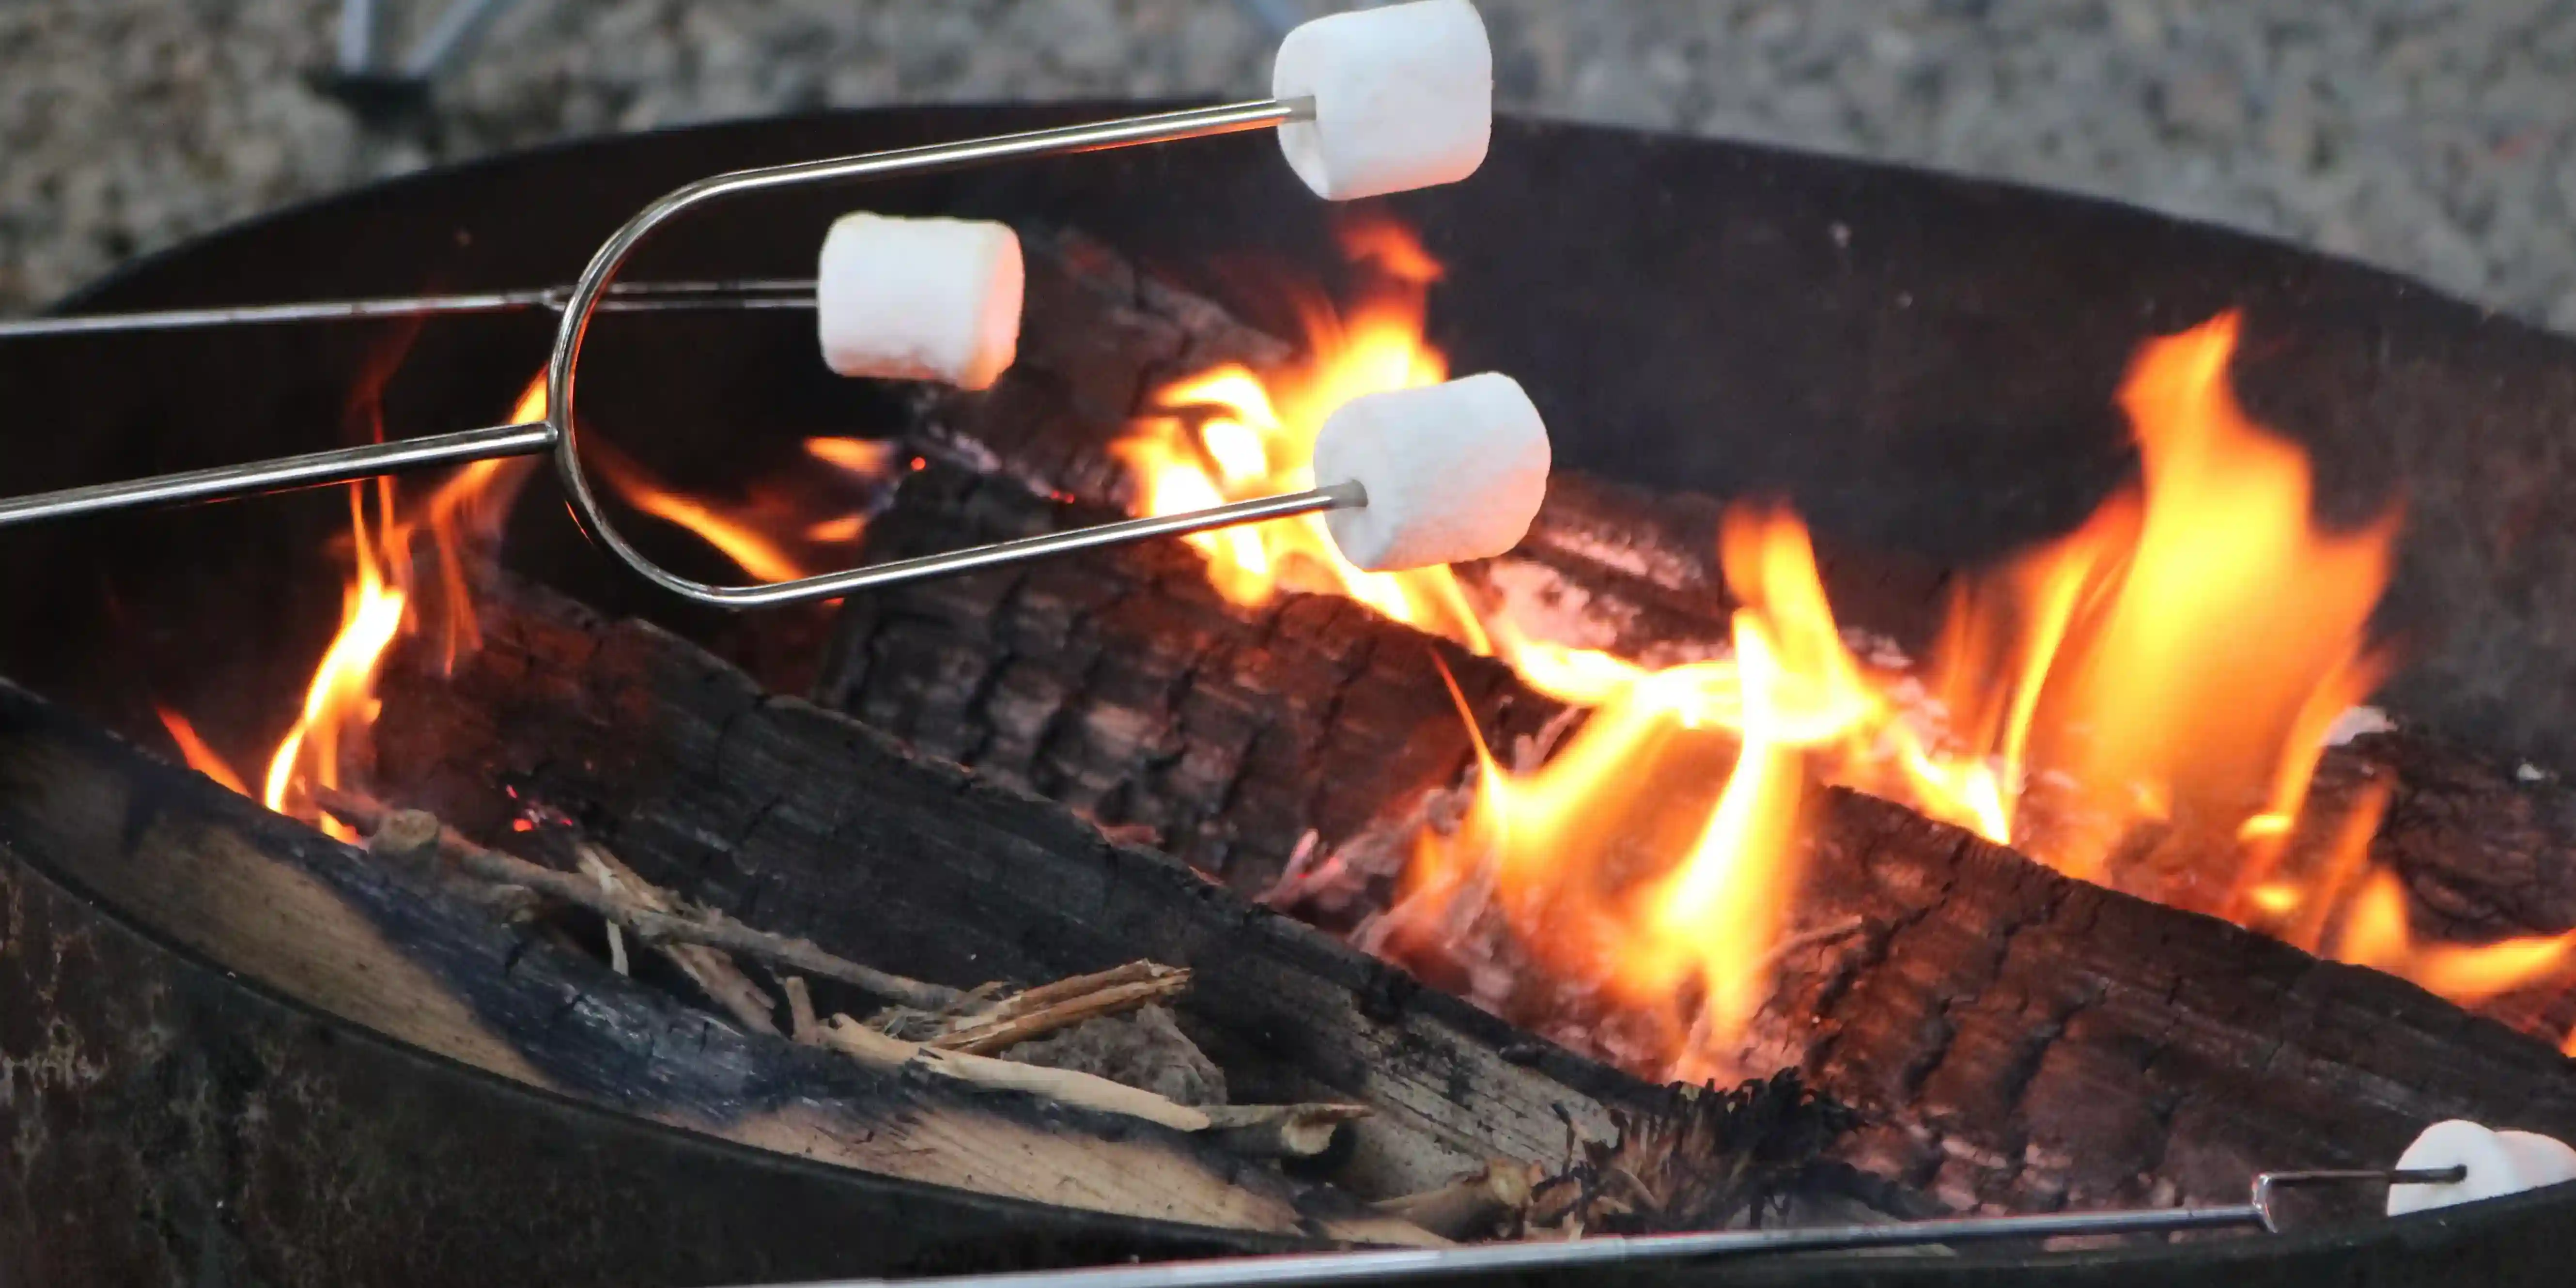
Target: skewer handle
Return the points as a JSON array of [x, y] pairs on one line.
[[1299, 1270], [314, 469], [625, 297]]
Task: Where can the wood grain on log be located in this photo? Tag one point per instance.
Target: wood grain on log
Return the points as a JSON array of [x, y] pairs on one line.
[[1125, 686], [2024, 1039]]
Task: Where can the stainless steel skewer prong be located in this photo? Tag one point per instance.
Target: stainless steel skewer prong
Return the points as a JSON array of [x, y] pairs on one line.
[[597, 291], [1396, 1265]]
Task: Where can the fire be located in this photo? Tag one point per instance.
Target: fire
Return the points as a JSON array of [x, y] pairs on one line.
[[2157, 683], [380, 604], [2375, 934], [1230, 435], [775, 533], [773, 537], [2236, 631]]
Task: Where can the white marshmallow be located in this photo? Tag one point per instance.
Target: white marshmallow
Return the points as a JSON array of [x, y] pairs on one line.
[[919, 299], [2499, 1163], [1404, 98], [1453, 472]]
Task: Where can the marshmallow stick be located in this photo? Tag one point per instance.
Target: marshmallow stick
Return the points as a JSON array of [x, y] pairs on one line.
[[919, 299], [1453, 472], [1403, 98]]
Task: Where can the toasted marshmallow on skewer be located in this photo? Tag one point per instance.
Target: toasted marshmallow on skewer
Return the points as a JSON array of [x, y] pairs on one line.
[[1453, 472], [1404, 98], [919, 299], [2498, 1163]]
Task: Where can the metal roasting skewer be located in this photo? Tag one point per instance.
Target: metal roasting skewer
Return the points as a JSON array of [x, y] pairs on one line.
[[1399, 1264], [597, 291], [624, 297]]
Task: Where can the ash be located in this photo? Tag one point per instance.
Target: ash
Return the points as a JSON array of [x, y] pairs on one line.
[[2428, 136], [1144, 1049]]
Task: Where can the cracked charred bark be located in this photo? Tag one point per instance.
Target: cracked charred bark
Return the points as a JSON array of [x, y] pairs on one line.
[[1126, 687], [2031, 1041], [817, 826]]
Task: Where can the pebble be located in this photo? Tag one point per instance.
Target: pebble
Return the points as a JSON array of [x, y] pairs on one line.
[[2433, 137]]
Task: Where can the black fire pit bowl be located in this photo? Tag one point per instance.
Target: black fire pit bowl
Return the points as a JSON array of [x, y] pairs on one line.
[[1919, 362]]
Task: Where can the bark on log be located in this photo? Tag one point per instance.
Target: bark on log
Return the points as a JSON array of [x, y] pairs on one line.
[[776, 812], [1123, 685], [2028, 1040], [387, 948]]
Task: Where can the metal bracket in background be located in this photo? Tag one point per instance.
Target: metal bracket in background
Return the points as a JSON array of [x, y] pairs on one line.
[[382, 96]]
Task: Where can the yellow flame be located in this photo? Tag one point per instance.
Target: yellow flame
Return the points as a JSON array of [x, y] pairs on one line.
[[378, 605], [2178, 656], [775, 534], [2376, 934], [1229, 434]]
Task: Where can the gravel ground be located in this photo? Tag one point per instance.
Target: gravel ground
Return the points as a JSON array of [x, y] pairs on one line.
[[2431, 136]]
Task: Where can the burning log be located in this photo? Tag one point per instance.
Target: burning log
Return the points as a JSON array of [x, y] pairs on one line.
[[375, 945], [767, 807], [2015, 1037], [2485, 849], [2010, 1036], [2081, 1099], [1129, 688]]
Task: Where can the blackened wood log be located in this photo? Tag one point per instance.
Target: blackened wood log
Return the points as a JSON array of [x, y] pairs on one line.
[[1097, 337], [1122, 684], [366, 941], [808, 823], [1973, 970], [2028, 1040]]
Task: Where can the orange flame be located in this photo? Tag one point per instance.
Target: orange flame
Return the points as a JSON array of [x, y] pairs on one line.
[[774, 534], [199, 756], [379, 605], [2176, 660], [1229, 434], [2375, 934], [2236, 632]]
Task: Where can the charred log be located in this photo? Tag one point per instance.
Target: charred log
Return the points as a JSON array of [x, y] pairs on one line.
[[386, 947], [776, 812], [2172, 1057], [2019, 1038], [2010, 1036], [1126, 687]]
